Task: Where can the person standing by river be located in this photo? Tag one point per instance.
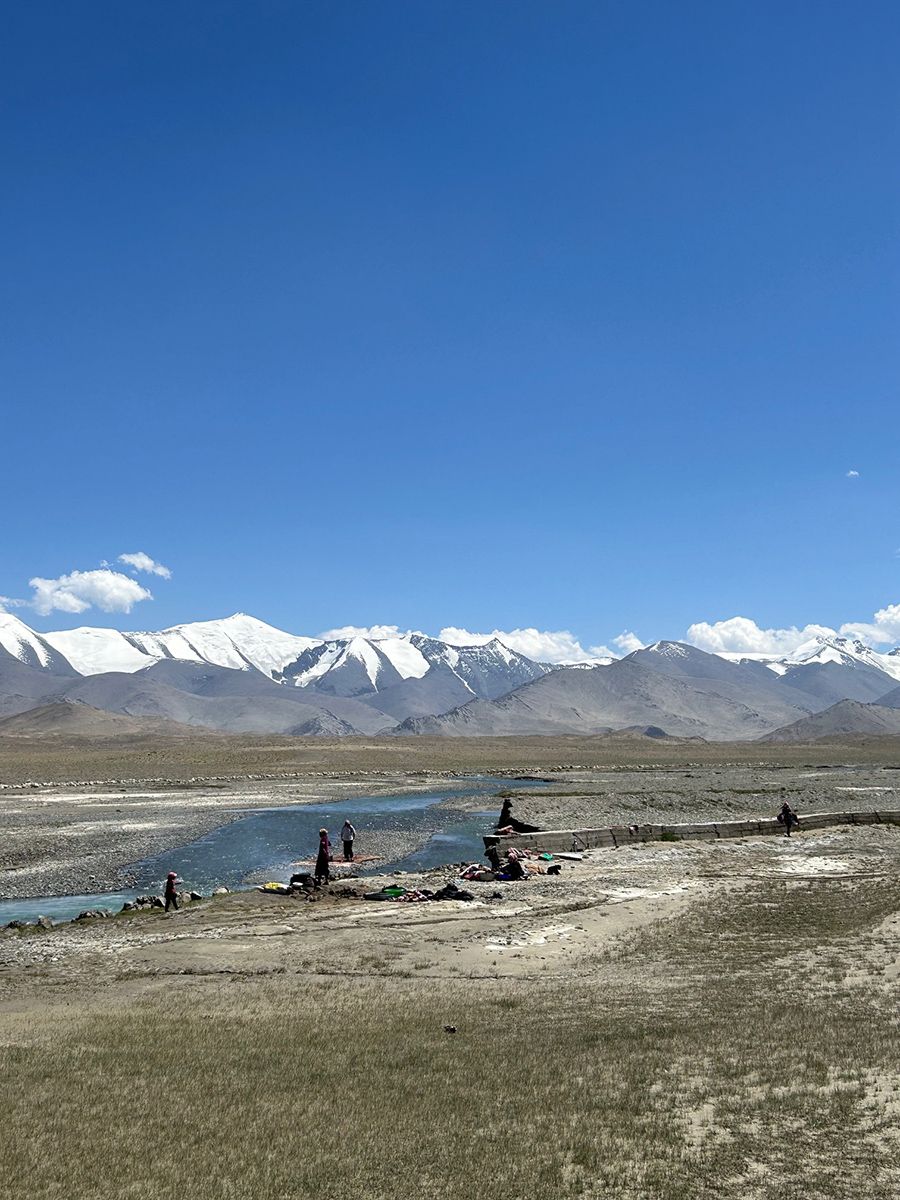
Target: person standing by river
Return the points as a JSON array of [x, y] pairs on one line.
[[348, 836], [171, 892], [323, 858]]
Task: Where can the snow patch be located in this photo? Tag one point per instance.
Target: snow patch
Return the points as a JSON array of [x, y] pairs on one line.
[[408, 661], [94, 651], [365, 652]]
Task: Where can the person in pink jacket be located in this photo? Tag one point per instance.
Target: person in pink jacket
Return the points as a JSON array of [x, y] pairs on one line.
[[323, 858]]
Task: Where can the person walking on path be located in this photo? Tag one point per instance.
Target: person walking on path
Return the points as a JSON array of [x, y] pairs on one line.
[[348, 834], [788, 818], [323, 858], [171, 894]]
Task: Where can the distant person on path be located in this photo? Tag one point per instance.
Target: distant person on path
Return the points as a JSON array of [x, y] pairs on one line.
[[171, 894], [323, 858], [788, 818], [348, 833]]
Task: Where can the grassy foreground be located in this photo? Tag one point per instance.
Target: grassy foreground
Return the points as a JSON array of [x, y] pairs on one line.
[[747, 1052]]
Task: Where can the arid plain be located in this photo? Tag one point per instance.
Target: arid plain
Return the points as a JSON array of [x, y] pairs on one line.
[[671, 1019]]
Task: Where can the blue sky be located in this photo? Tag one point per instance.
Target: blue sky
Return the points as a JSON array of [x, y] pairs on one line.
[[565, 315]]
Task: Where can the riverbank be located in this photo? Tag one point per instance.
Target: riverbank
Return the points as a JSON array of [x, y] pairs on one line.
[[72, 841], [78, 839]]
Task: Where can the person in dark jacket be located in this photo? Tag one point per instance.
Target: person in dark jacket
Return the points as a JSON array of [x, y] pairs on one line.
[[788, 818], [323, 858], [171, 893]]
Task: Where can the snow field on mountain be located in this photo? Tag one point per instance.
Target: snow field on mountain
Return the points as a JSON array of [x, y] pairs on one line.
[[23, 643], [95, 651]]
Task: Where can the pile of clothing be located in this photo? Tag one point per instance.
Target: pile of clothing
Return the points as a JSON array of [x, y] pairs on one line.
[[403, 895]]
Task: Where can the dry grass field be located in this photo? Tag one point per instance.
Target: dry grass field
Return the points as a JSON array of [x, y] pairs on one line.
[[60, 759], [740, 1045]]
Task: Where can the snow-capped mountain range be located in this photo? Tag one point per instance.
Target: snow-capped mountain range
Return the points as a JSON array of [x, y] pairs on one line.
[[243, 642], [843, 650], [348, 666], [240, 674], [394, 677]]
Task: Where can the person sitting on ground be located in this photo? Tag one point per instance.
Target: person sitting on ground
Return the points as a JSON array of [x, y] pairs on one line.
[[788, 818], [323, 858], [171, 893], [514, 869], [348, 834]]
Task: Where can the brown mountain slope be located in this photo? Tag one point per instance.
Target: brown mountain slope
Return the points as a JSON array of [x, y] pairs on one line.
[[71, 719]]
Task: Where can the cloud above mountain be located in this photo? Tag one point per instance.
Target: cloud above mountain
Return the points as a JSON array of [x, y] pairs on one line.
[[78, 591], [104, 587], [742, 635], [882, 630], [143, 562], [342, 632], [540, 645], [627, 642]]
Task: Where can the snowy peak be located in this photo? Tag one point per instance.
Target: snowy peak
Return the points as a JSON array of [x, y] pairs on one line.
[[30, 648], [359, 665], [493, 669], [350, 667], [844, 651], [240, 642], [667, 650]]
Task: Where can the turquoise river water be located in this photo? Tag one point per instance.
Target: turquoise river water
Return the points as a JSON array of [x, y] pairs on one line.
[[270, 840]]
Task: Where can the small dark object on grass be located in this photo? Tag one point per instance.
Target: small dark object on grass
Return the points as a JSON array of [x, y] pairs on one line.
[[449, 1029]]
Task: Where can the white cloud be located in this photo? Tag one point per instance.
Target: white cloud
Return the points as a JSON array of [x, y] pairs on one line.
[[628, 642], [557, 646], [554, 646], [80, 590], [853, 474], [364, 631], [882, 630], [741, 635], [143, 562]]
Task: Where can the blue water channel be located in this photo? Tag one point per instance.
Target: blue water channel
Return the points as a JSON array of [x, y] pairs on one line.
[[271, 840]]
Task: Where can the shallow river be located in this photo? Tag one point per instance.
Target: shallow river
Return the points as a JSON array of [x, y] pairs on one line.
[[270, 840]]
